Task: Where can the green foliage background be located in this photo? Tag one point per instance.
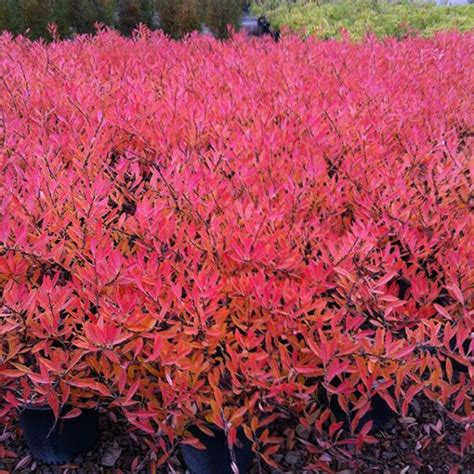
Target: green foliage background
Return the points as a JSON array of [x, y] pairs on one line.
[[326, 18], [178, 17], [70, 16]]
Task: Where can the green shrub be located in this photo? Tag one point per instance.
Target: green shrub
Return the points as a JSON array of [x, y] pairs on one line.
[[108, 9], [81, 15], [70, 16], [327, 18], [34, 16], [133, 12], [222, 13], [179, 17], [7, 15]]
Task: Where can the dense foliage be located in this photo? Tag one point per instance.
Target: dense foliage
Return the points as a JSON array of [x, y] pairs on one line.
[[223, 232], [382, 17]]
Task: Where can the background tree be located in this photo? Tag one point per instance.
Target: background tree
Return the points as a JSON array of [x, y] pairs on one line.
[[9, 20], [32, 17], [82, 15], [220, 14], [179, 17], [133, 12]]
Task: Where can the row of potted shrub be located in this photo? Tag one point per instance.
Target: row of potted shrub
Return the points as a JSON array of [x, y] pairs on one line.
[[235, 235]]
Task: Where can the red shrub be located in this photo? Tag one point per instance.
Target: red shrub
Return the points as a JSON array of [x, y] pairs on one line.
[[214, 232]]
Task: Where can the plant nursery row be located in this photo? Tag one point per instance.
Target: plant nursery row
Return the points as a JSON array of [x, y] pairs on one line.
[[398, 18], [235, 236]]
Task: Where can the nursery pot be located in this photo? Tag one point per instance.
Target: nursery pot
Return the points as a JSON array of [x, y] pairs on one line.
[[69, 438], [379, 414], [215, 459], [452, 345]]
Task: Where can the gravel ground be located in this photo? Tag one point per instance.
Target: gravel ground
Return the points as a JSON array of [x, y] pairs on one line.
[[402, 448]]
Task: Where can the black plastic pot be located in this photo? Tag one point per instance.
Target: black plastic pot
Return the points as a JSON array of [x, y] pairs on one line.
[[456, 365], [215, 459], [380, 413], [68, 439]]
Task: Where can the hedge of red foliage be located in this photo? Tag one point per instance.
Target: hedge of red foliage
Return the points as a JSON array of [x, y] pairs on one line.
[[220, 232]]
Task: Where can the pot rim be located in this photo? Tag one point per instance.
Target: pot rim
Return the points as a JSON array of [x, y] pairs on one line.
[[32, 407]]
